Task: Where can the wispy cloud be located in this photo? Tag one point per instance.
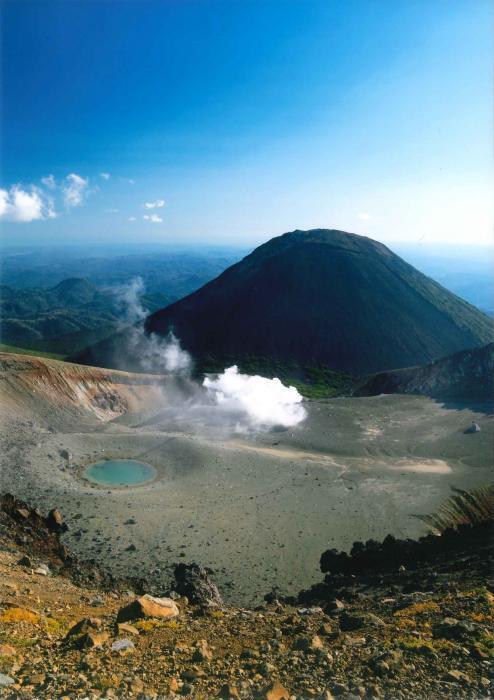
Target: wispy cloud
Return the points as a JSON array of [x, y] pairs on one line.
[[132, 218], [22, 205], [154, 205], [153, 218], [74, 190], [105, 176], [364, 216], [49, 181]]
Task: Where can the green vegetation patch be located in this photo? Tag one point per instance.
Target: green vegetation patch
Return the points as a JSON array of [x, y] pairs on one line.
[[313, 381]]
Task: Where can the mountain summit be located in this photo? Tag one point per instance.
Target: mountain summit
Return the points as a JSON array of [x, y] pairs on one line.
[[320, 297]]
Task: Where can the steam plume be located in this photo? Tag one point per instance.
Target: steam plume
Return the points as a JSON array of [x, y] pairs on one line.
[[226, 401], [266, 402]]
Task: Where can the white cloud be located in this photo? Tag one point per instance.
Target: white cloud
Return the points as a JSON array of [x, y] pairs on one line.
[[49, 181], [364, 216], [153, 218], [111, 211], [4, 202], [105, 176], [21, 205], [154, 205], [132, 218], [75, 190]]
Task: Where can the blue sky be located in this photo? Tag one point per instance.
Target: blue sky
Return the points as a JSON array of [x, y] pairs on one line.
[[231, 121]]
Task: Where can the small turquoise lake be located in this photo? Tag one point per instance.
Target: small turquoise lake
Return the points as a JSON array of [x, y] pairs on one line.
[[120, 472]]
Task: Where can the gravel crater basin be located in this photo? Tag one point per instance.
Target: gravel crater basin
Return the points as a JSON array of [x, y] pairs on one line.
[[120, 472]]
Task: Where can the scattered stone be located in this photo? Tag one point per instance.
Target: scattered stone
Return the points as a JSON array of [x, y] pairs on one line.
[[310, 611], [250, 654], [309, 643], [7, 650], [334, 606], [55, 522], [474, 428], [5, 681], [22, 513], [359, 620], [274, 691], [340, 689], [203, 652], [87, 624], [89, 640], [458, 677], [25, 561], [148, 606], [123, 645], [458, 630], [228, 692], [125, 628], [42, 570], [97, 602]]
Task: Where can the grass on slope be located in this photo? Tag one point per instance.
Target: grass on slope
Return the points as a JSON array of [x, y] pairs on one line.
[[27, 351], [313, 382]]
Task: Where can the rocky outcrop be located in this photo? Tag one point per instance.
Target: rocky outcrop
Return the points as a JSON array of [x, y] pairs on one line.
[[464, 376], [194, 582], [408, 565], [38, 538]]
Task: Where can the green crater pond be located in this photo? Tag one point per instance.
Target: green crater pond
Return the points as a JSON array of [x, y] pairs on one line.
[[120, 472]]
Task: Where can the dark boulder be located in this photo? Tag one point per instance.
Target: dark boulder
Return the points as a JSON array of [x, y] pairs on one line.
[[194, 582]]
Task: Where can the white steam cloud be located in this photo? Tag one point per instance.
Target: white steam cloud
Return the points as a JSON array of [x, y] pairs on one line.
[[266, 402], [226, 401]]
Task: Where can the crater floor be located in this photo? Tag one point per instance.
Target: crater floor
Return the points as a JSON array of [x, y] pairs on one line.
[[259, 508]]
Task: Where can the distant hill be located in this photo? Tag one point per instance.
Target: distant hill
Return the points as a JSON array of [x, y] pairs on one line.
[[172, 274], [316, 298], [465, 376], [63, 319]]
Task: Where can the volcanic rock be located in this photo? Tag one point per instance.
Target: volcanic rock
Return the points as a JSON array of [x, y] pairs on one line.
[[203, 652], [148, 606], [194, 582], [90, 640], [87, 624], [55, 522], [5, 681], [123, 645], [359, 620], [274, 691]]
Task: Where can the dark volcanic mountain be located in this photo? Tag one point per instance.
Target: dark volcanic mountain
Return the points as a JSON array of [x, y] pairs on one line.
[[320, 297]]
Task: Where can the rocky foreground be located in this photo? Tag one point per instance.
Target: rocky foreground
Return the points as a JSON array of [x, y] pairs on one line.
[[393, 620]]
